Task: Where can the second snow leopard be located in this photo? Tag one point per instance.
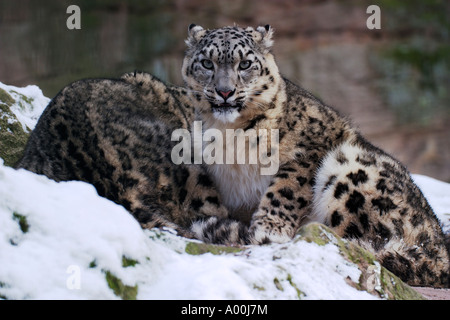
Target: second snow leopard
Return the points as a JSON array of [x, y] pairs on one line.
[[116, 135], [327, 171]]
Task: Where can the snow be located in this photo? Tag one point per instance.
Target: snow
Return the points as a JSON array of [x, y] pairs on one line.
[[438, 196], [74, 237], [71, 227]]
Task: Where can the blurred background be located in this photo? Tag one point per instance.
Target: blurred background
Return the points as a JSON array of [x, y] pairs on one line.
[[392, 82]]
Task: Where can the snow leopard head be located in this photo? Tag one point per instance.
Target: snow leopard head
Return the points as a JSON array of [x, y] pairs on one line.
[[232, 69]]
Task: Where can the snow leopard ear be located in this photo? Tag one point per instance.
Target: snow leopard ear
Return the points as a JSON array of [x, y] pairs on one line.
[[263, 36], [195, 34]]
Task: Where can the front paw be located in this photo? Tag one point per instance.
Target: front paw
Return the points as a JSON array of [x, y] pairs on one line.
[[263, 234]]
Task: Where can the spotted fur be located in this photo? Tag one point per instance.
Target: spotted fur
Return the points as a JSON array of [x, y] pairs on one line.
[[327, 171], [116, 135]]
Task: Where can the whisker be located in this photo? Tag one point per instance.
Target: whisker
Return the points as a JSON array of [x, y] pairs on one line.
[[195, 91], [257, 104]]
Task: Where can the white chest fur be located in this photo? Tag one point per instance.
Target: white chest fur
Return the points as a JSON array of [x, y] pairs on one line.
[[238, 162], [237, 171], [241, 186]]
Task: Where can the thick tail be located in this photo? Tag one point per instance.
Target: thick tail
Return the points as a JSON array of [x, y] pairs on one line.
[[414, 265], [221, 231], [447, 243], [162, 223]]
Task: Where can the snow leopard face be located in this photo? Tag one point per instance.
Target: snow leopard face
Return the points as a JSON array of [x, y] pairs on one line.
[[231, 69]]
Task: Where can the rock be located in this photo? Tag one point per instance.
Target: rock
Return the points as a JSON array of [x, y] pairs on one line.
[[434, 293], [13, 137], [197, 248], [374, 278]]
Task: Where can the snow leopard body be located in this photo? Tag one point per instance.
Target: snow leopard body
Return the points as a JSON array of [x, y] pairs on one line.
[[327, 171]]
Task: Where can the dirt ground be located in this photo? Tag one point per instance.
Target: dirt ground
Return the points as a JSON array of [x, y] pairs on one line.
[[434, 294]]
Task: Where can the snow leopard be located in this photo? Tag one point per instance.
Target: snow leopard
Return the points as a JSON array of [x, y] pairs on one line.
[[327, 171], [116, 135]]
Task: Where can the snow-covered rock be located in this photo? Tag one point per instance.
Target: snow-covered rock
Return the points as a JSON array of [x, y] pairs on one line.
[[20, 109], [27, 104], [63, 241]]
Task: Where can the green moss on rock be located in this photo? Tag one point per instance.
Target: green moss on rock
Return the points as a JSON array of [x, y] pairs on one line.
[[300, 294], [23, 98], [195, 248], [128, 262], [23, 223], [374, 278], [314, 232], [119, 288], [396, 288], [12, 136], [93, 264], [6, 98], [3, 285]]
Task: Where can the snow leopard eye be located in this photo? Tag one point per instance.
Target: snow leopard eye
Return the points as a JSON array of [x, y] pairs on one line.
[[245, 64], [207, 64]]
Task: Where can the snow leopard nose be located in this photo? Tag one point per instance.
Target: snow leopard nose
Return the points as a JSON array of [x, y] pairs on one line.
[[225, 94]]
